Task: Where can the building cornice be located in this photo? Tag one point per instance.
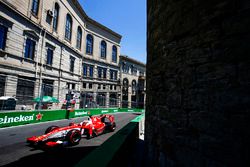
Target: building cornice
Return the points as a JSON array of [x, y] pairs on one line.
[[124, 57]]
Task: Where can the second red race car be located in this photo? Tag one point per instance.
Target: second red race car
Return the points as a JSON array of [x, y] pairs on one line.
[[72, 134]]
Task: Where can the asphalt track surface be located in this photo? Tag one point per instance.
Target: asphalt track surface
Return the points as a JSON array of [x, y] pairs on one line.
[[15, 152]]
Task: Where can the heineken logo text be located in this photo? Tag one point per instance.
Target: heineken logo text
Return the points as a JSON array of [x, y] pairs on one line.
[[80, 113], [20, 118]]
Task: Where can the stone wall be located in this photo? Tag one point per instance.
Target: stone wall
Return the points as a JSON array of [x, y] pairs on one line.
[[198, 83]]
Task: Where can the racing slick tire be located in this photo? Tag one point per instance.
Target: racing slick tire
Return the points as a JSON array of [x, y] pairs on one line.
[[73, 137], [49, 129], [113, 127]]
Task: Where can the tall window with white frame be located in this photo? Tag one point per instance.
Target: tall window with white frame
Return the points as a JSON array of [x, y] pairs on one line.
[[50, 53], [99, 71], [56, 15], [72, 64], [89, 44], [68, 27], [3, 37], [79, 38], [30, 46], [85, 70], [35, 7], [91, 71], [102, 72], [114, 54], [113, 74], [103, 49], [88, 70]]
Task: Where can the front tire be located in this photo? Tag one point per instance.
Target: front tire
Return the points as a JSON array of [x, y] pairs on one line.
[[51, 128], [73, 137]]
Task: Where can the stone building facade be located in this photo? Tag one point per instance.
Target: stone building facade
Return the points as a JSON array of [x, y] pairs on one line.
[[51, 47], [133, 82], [198, 83]]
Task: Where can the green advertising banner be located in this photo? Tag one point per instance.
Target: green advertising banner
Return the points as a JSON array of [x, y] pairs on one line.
[[28, 117], [86, 112], [20, 118]]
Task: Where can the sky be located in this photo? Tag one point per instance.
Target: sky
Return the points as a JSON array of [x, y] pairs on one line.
[[127, 18]]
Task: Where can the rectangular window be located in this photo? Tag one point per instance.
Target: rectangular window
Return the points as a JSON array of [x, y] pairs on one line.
[[29, 49], [25, 90], [72, 64], [47, 87], [114, 87], [84, 85], [2, 84], [3, 36], [85, 69], [104, 72], [49, 57], [111, 74], [99, 72], [90, 85], [91, 71], [73, 86], [35, 7], [111, 87], [115, 75]]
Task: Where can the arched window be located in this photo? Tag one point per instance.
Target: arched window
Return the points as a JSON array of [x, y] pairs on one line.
[[79, 38], [89, 44], [68, 27], [35, 7], [56, 15], [103, 49], [114, 54]]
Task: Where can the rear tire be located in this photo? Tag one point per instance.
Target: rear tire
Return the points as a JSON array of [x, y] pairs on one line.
[[51, 128], [73, 137]]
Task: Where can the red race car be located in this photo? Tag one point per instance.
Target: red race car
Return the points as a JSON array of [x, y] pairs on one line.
[[72, 134]]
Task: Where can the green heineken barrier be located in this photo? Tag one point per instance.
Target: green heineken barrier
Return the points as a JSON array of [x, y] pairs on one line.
[[87, 112], [131, 110], [29, 117]]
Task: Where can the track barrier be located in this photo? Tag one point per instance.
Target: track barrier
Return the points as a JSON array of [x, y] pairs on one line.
[[8, 119]]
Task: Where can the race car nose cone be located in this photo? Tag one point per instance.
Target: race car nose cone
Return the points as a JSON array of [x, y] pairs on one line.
[[33, 138]]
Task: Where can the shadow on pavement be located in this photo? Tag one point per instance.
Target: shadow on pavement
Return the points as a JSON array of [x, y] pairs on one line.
[[68, 156]]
